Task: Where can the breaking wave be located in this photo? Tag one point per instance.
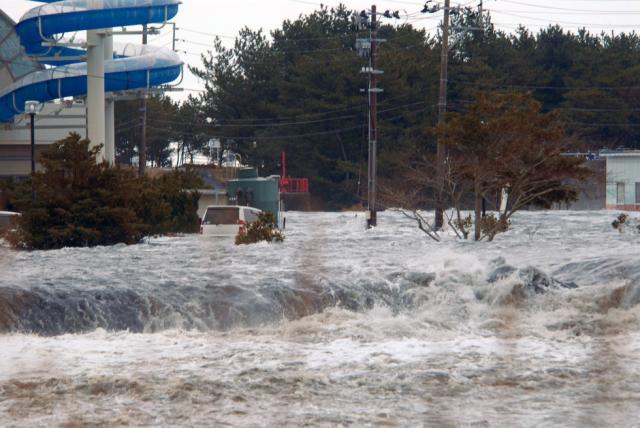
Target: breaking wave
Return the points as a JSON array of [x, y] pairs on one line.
[[569, 266]]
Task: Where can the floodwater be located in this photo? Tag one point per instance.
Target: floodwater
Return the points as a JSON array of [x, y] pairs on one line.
[[337, 326]]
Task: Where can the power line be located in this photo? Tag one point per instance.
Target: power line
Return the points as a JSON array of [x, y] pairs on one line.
[[289, 136], [566, 22], [547, 7], [272, 125]]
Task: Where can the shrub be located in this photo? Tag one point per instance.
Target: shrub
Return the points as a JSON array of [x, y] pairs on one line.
[[620, 221], [78, 202], [263, 229]]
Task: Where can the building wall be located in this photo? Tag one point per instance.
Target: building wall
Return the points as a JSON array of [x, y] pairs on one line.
[[53, 123], [209, 198], [623, 169], [591, 191]]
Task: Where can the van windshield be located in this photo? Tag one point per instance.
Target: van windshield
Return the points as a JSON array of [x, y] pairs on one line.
[[222, 215]]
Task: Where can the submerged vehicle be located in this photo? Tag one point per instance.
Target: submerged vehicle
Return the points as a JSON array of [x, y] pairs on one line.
[[226, 220], [8, 220]]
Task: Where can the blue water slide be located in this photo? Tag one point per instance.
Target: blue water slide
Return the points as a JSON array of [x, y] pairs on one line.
[[134, 66]]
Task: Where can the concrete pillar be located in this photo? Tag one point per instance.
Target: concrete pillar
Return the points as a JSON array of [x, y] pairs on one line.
[[95, 90], [110, 109]]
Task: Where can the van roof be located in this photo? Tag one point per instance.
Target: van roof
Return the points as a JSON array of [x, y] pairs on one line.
[[232, 206]]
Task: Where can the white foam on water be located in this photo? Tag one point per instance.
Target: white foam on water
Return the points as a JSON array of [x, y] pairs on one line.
[[436, 345]]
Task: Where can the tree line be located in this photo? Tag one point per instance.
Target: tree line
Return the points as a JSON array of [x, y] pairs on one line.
[[299, 89]]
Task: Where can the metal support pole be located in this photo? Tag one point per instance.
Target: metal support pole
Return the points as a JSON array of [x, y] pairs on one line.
[[33, 142], [95, 90], [142, 149], [33, 154], [173, 45], [110, 109], [442, 109], [373, 112]]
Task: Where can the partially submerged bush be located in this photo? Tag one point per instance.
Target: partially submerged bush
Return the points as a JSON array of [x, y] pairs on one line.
[[79, 202], [622, 221], [491, 223], [263, 229]]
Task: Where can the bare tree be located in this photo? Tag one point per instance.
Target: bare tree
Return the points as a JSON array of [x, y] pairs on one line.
[[502, 144]]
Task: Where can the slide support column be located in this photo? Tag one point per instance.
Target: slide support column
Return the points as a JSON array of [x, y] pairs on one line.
[[95, 90], [110, 108]]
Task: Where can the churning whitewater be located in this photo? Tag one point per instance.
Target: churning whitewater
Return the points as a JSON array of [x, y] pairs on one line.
[[336, 326]]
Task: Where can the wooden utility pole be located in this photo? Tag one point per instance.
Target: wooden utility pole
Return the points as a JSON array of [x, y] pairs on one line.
[[442, 110], [373, 121], [142, 148]]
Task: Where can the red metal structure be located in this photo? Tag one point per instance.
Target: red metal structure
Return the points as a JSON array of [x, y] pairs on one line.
[[292, 185]]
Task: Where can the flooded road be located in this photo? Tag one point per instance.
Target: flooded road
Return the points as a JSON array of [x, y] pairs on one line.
[[336, 326]]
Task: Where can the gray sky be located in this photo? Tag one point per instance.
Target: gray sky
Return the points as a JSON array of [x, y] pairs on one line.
[[198, 20]]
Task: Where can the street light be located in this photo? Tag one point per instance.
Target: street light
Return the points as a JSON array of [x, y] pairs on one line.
[[31, 108]]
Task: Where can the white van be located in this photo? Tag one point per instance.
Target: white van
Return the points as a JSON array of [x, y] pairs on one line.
[[8, 220], [226, 220]]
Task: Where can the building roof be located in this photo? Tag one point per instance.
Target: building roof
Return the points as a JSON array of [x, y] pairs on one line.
[[619, 153]]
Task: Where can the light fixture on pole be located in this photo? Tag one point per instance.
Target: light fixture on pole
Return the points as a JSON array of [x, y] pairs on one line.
[[31, 108]]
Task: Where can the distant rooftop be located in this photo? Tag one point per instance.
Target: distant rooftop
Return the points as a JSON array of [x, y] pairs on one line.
[[620, 153]]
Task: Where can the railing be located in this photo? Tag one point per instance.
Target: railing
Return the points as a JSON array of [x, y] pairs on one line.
[[294, 185]]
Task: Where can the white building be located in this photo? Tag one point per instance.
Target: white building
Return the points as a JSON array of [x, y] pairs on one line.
[[623, 179], [54, 122]]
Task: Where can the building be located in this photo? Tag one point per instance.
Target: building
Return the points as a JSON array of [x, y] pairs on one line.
[[54, 122], [76, 68], [623, 179]]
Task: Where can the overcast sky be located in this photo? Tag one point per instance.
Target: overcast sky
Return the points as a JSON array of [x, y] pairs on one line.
[[226, 17]]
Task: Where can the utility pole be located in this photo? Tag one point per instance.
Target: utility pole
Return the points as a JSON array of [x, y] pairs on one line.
[[142, 148], [442, 110], [368, 48], [373, 121]]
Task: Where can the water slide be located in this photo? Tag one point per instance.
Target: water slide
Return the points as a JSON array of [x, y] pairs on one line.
[[91, 68]]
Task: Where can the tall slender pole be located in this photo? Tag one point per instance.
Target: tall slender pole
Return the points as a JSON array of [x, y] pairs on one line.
[[95, 90], [173, 45], [110, 108], [442, 109], [373, 113], [33, 143], [142, 149], [33, 153]]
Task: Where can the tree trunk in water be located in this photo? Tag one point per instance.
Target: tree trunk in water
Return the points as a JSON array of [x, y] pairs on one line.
[[478, 210]]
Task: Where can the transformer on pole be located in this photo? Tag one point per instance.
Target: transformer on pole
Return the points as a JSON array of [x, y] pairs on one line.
[[368, 48]]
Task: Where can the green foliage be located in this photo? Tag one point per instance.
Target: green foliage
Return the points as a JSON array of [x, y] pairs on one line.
[[183, 205], [298, 89], [78, 202], [161, 114], [263, 229]]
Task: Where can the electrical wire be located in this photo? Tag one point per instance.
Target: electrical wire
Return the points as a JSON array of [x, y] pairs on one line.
[[297, 123]]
